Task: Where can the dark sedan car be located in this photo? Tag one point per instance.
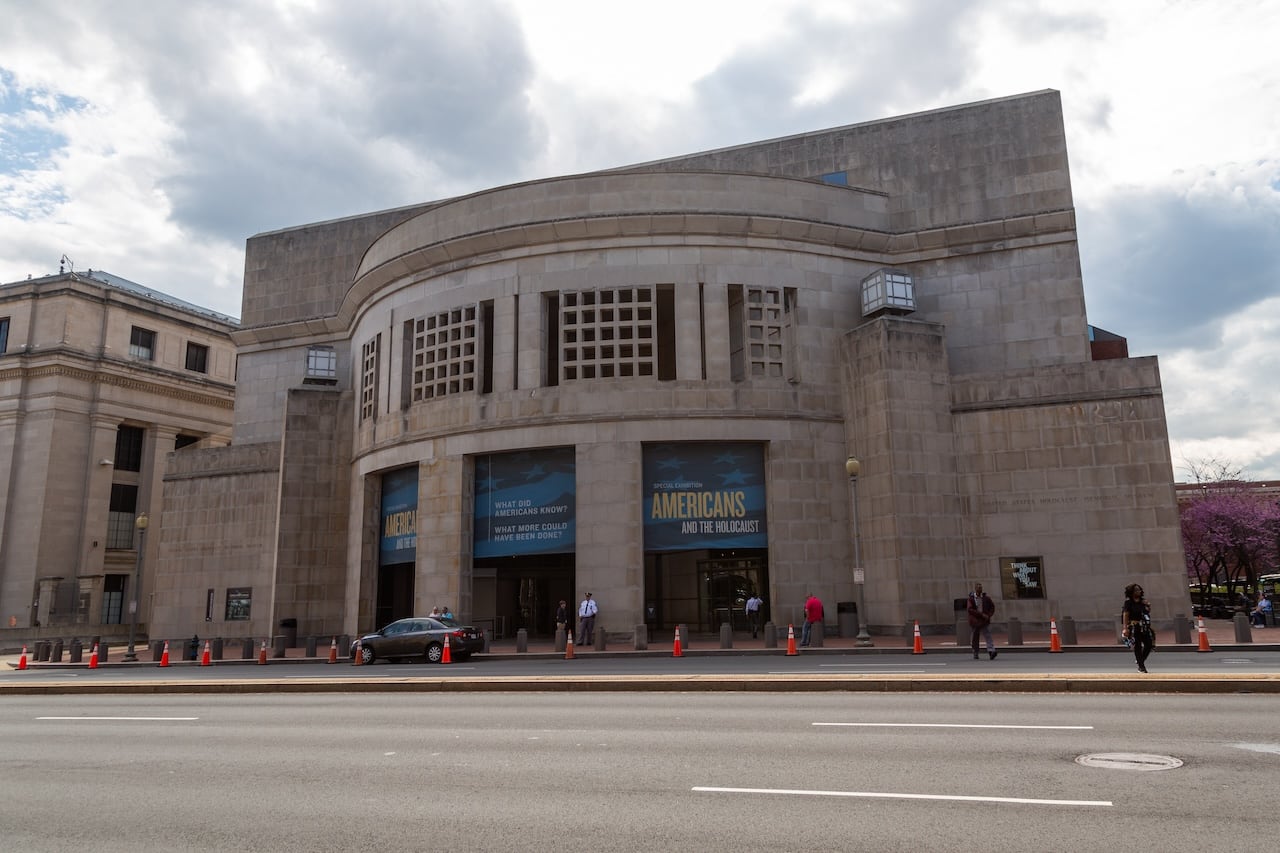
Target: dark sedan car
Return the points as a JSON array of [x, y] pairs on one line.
[[419, 636]]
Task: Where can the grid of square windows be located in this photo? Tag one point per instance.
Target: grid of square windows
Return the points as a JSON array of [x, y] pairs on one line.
[[607, 333], [764, 323], [444, 353], [369, 354]]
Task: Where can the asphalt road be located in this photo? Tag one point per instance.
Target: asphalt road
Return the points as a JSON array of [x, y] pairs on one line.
[[615, 771]]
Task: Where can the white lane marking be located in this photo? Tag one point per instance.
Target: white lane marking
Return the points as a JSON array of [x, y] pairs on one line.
[[887, 795], [1258, 747], [820, 672], [144, 719], [953, 726], [860, 665]]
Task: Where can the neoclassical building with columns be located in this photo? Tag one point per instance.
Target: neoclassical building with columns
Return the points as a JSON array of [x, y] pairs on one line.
[[101, 379], [645, 383]]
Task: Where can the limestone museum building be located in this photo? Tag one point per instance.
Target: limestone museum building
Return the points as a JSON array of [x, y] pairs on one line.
[[646, 383]]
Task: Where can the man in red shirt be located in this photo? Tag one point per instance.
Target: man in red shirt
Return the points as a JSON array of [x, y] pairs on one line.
[[812, 613]]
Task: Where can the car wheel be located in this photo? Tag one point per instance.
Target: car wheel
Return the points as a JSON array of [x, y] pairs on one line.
[[366, 654], [435, 651]]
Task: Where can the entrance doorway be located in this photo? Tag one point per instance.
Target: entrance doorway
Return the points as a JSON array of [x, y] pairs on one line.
[[703, 589], [510, 593], [395, 594]]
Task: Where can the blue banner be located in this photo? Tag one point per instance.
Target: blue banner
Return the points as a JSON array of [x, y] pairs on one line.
[[704, 496], [399, 517], [526, 503]]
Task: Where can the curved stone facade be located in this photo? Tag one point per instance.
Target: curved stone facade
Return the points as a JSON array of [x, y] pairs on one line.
[[584, 332]]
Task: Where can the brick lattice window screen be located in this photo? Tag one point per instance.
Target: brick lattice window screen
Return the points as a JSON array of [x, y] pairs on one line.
[[444, 353], [764, 321], [369, 358], [607, 333]]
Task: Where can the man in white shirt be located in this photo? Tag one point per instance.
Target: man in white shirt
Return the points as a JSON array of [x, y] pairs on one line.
[[587, 620], [752, 609]]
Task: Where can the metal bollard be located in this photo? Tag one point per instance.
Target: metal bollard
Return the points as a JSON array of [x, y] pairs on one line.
[[1067, 631], [640, 640], [344, 645], [816, 635], [562, 639], [278, 645], [1181, 629], [157, 651], [215, 649], [770, 635], [522, 640], [1244, 631], [488, 640], [685, 640], [104, 649], [55, 653], [247, 648], [311, 646], [726, 635], [599, 640], [77, 650], [1015, 631]]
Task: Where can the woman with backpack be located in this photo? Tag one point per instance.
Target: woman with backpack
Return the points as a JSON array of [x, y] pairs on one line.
[[1136, 619]]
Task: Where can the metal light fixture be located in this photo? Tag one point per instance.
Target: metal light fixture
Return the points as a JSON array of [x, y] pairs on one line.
[[853, 467], [139, 524]]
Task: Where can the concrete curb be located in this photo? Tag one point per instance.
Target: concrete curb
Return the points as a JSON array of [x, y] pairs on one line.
[[1012, 683]]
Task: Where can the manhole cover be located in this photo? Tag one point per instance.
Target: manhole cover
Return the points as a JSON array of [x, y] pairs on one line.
[[1128, 761]]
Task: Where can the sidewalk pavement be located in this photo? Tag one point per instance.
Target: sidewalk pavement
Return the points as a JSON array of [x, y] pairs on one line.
[[1220, 633]]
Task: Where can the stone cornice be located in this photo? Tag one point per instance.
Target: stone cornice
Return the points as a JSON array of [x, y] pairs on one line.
[[154, 386], [685, 229]]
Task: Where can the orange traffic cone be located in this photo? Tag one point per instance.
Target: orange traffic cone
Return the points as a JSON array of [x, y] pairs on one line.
[[93, 657], [1055, 642], [205, 659], [568, 646], [262, 653], [676, 651], [164, 655], [358, 658], [22, 661], [1204, 637], [333, 651], [445, 656], [791, 640], [917, 644]]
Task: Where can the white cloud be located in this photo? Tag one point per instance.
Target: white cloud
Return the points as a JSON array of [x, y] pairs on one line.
[[151, 140]]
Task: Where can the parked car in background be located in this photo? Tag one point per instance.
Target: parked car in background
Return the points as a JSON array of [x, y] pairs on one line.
[[1216, 606], [419, 637]]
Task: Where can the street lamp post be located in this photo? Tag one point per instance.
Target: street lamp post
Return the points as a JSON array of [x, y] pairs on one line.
[[852, 467], [139, 524]]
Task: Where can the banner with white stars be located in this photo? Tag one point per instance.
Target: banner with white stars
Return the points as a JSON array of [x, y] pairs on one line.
[[399, 541], [704, 496], [525, 503]]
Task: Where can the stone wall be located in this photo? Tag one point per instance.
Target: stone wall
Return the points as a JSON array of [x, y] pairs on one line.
[[219, 531]]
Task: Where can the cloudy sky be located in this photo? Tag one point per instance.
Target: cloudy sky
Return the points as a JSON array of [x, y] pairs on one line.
[[151, 139]]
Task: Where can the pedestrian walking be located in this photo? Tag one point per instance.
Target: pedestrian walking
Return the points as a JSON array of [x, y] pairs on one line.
[[812, 613], [981, 608], [587, 611], [1135, 618], [752, 609]]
